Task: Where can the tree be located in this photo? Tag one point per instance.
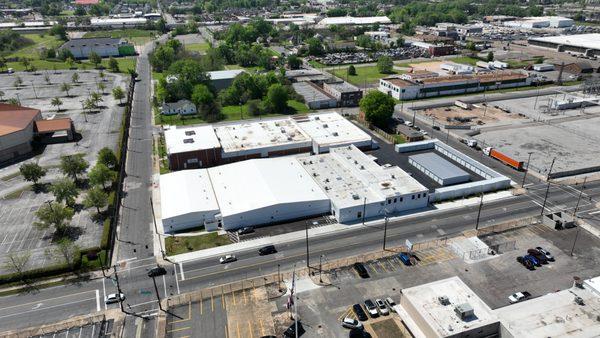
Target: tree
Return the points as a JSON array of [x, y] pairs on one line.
[[73, 165], [59, 31], [67, 251], [57, 103], [118, 94], [385, 65], [277, 97], [470, 45], [113, 65], [293, 62], [96, 98], [377, 107], [55, 215], [107, 157], [101, 174], [47, 78], [351, 70], [65, 87], [101, 87], [205, 102], [75, 78], [16, 263], [102, 75], [64, 190], [315, 47], [97, 198], [18, 82], [26, 63], [490, 56], [400, 41], [32, 172], [95, 59], [254, 108], [79, 11], [70, 63]]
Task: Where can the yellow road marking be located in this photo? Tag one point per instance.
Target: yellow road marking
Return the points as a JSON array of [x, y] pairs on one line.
[[345, 314], [244, 293], [370, 265], [180, 329], [238, 329], [383, 267], [233, 296], [262, 329], [188, 316], [250, 328]]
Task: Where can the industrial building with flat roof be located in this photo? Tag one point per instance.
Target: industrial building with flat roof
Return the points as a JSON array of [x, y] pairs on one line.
[[585, 44], [345, 183], [439, 169], [347, 95], [222, 79], [404, 89], [314, 96], [209, 145], [353, 21]]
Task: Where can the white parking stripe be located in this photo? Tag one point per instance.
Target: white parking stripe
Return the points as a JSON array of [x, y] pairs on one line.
[[164, 285], [104, 293], [176, 279], [181, 268], [98, 308], [594, 213]]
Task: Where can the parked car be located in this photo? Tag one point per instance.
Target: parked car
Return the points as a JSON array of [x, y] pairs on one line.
[[371, 308], [538, 255], [350, 323], [526, 263], [405, 258], [114, 298], [381, 306], [390, 303], [359, 312], [227, 259], [423, 132], [545, 253], [362, 271], [435, 128], [157, 271], [245, 230], [533, 260], [519, 296], [408, 123], [267, 250]]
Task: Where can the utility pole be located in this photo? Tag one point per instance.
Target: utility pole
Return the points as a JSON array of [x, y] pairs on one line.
[[364, 209], [162, 251], [307, 251], [579, 198], [548, 187], [414, 116], [157, 294], [479, 212], [119, 289], [320, 268], [278, 278], [385, 230], [527, 169]]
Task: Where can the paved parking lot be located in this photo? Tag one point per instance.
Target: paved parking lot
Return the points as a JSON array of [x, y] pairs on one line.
[[99, 330]]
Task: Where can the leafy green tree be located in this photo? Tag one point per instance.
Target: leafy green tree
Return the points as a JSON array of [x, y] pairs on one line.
[[17, 263], [470, 45], [101, 87], [113, 65], [400, 41], [101, 175], [59, 31], [97, 198], [26, 63], [107, 157], [205, 102], [65, 87], [385, 65], [254, 107], [79, 11], [96, 98], [64, 190], [118, 94], [32, 172], [377, 107], [95, 59], [293, 62], [18, 82], [57, 102], [315, 47], [73, 165], [351, 70], [277, 97], [53, 215], [75, 78], [490, 56], [67, 251], [47, 79]]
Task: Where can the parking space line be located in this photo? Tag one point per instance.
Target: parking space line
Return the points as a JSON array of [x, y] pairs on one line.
[[233, 296], [250, 328], [372, 266], [383, 267], [104, 293], [98, 308], [176, 279], [262, 329], [226, 332], [212, 303], [244, 294], [201, 306], [179, 329], [237, 325], [181, 269]]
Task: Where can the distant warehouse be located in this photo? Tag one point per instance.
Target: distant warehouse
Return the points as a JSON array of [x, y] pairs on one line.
[[105, 47], [403, 89], [584, 44]]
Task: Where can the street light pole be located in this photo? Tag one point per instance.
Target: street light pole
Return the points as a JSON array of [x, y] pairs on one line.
[[157, 295], [526, 170], [385, 230], [547, 188], [307, 251], [162, 251], [479, 212], [119, 289], [579, 198], [320, 268]]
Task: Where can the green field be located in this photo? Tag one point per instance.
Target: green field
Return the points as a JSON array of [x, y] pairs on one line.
[[124, 64], [135, 36], [230, 113], [39, 42], [179, 245], [466, 60], [364, 75], [197, 47], [248, 69]]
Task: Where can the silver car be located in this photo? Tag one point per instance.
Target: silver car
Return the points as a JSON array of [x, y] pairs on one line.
[[350, 323], [390, 303], [382, 308]]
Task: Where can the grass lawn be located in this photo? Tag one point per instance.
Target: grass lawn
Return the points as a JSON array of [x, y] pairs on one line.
[[230, 113], [317, 64], [179, 245], [17, 193], [368, 74], [197, 47], [39, 42], [157, 76], [248, 69], [125, 63], [466, 60], [135, 36]]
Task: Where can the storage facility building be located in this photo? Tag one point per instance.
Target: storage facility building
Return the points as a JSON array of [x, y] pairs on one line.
[[105, 47], [17, 128], [222, 79], [584, 44], [439, 169]]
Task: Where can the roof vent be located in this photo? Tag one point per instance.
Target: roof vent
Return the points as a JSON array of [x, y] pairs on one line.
[[325, 125], [188, 140], [317, 118], [444, 300], [190, 133], [355, 196], [335, 133], [327, 180]]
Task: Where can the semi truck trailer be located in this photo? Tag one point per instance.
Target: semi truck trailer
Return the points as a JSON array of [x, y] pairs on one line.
[[491, 152]]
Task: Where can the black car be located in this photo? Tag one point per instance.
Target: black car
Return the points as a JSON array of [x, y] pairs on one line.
[[245, 230], [157, 271], [267, 250], [362, 271], [359, 312], [435, 128], [538, 255], [291, 330]]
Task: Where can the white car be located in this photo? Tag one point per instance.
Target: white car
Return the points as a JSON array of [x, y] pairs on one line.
[[350, 323], [227, 259], [381, 306], [371, 308], [518, 297], [114, 298], [390, 303]]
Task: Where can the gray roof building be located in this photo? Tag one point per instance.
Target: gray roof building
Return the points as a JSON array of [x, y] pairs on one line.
[[439, 169]]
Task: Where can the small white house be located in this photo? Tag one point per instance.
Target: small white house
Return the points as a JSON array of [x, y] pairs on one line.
[[181, 107]]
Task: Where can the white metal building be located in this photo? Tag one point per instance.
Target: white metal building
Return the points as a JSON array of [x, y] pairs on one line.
[[264, 191], [332, 130], [358, 187], [357, 21], [188, 200]]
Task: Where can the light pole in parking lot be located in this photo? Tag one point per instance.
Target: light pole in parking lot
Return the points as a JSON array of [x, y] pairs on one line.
[[548, 187], [479, 212], [119, 289], [320, 268], [385, 224], [307, 251], [527, 169]]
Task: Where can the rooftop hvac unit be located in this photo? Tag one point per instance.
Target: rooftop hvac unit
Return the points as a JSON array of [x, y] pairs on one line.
[[190, 133], [464, 311], [355, 196], [317, 118], [327, 180], [362, 167], [335, 133], [290, 138], [315, 174], [326, 188], [444, 300], [188, 140], [325, 125], [282, 130]]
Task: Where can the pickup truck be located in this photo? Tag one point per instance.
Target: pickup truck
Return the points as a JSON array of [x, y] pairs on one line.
[[519, 296]]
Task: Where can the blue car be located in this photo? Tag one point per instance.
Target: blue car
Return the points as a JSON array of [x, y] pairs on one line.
[[405, 258], [533, 260]]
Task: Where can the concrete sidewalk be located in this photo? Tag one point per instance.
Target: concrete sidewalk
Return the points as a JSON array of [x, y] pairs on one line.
[[325, 230]]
